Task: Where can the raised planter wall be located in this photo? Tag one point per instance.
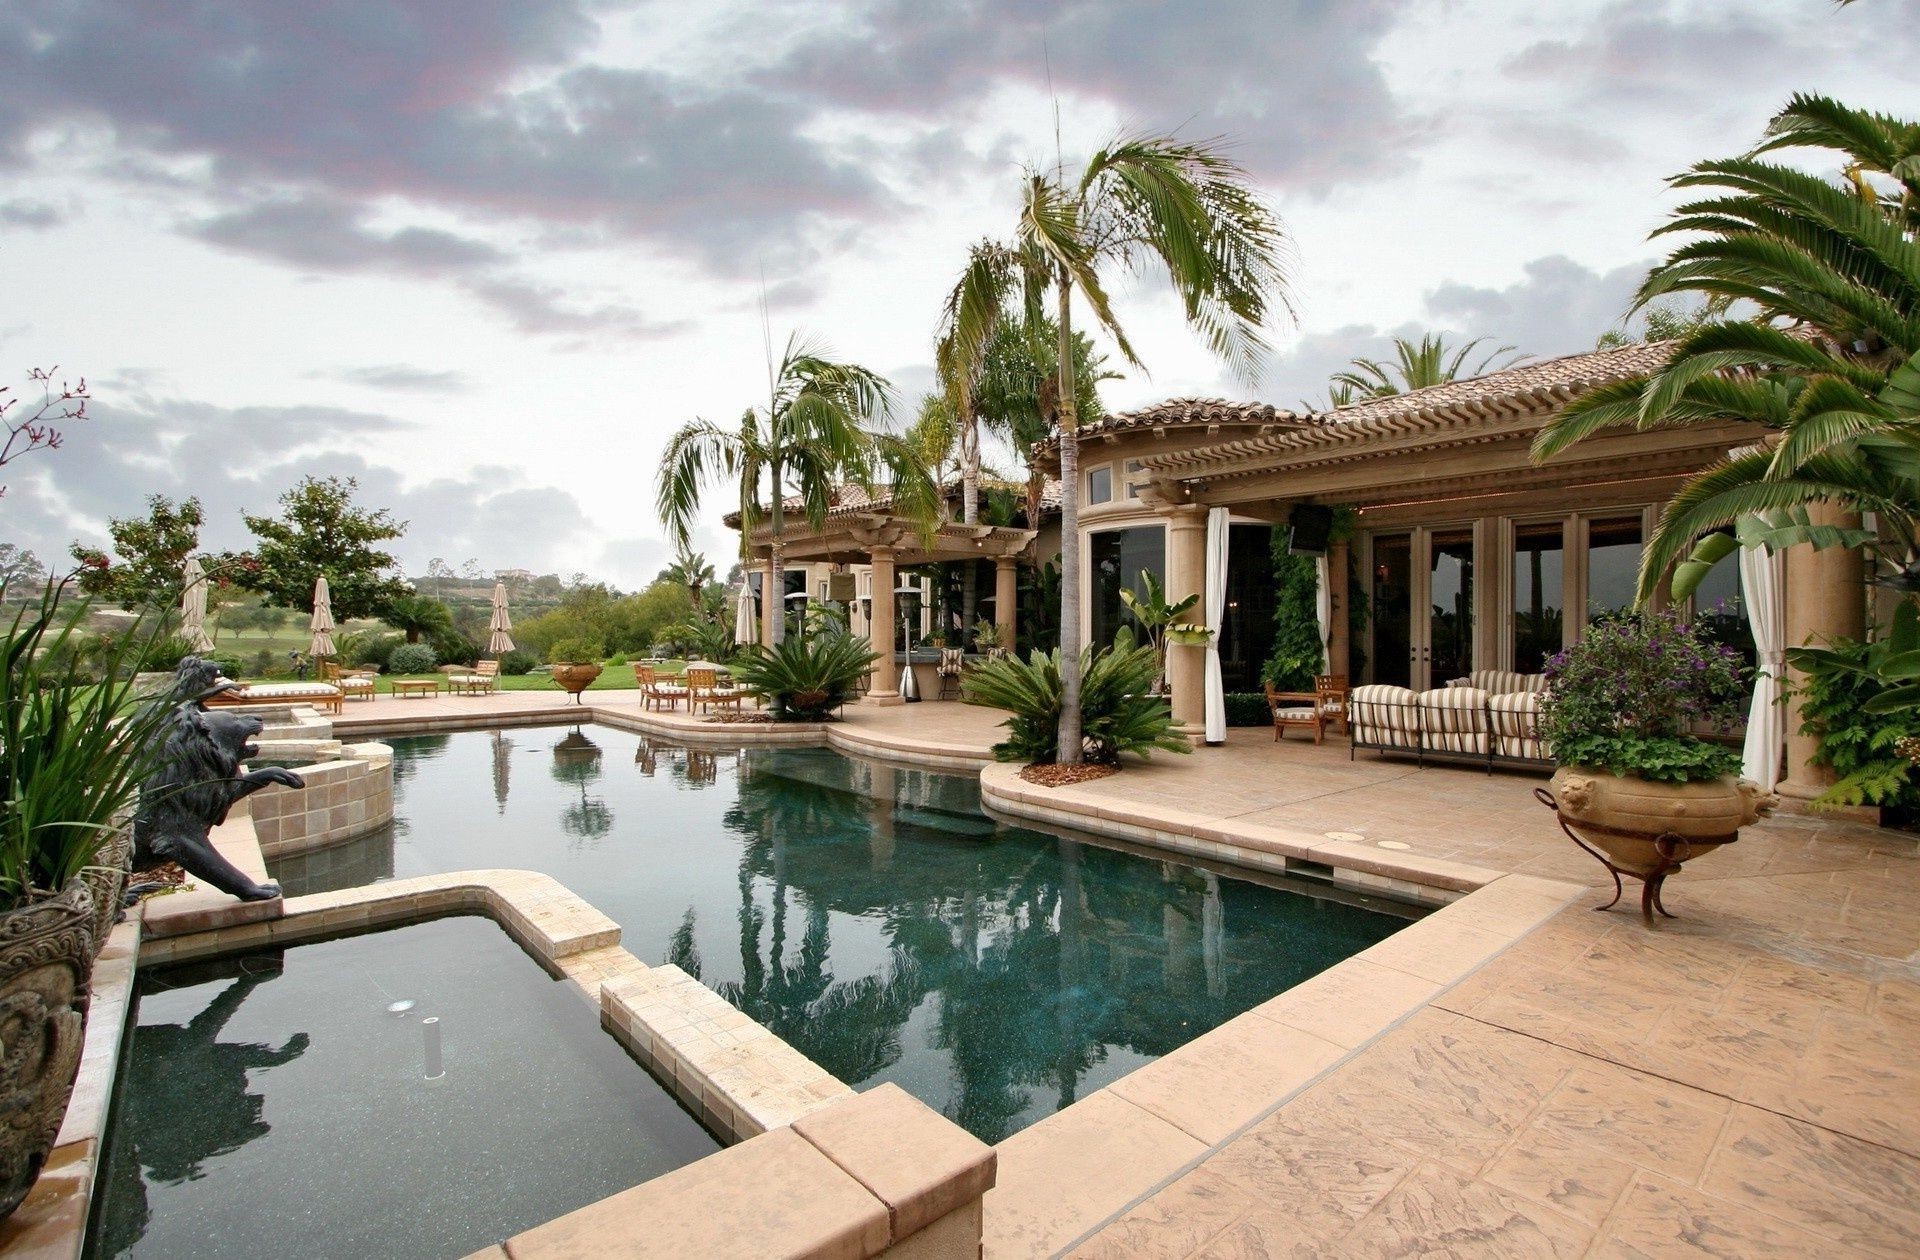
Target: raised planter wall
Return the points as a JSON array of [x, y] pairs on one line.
[[343, 799]]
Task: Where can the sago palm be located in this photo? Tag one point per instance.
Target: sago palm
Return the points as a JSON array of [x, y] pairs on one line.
[[418, 615], [819, 429], [1140, 201], [1829, 361]]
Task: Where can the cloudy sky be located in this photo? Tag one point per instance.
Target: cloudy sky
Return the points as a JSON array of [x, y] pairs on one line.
[[484, 256]]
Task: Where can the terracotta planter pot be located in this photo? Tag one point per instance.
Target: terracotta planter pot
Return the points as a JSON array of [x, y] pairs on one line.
[[575, 678], [1648, 828], [46, 957]]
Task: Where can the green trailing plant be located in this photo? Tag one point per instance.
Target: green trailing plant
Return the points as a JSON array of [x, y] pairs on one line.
[[1629, 695], [73, 749], [1117, 712], [805, 679], [575, 651]]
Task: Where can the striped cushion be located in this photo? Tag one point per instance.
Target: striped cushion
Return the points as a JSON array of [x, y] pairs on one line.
[[1502, 682], [289, 691], [1516, 725], [1454, 719], [1383, 715]]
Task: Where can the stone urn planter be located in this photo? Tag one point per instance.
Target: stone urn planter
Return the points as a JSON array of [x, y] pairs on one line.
[[1650, 830], [106, 879], [575, 678], [46, 958]]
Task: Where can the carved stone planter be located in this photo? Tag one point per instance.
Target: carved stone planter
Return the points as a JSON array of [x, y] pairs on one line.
[[575, 678], [46, 957], [106, 879], [1650, 830]]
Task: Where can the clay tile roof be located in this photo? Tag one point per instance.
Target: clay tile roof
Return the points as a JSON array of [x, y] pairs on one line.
[[853, 500], [1528, 383], [1176, 412]]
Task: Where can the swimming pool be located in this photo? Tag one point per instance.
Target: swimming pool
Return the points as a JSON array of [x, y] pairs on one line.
[[870, 915], [296, 1102]]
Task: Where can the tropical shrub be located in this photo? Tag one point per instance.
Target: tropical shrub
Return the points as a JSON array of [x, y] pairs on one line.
[[516, 663], [368, 648], [411, 658], [73, 750], [575, 651], [1843, 693], [701, 641], [1630, 694], [1117, 713], [805, 679], [617, 659]]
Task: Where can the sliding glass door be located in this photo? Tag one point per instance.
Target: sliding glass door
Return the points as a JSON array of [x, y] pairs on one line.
[[1423, 593]]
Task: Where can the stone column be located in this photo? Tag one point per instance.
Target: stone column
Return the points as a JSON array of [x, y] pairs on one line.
[[883, 630], [1006, 598], [1826, 600], [1339, 649], [771, 602], [1187, 575]]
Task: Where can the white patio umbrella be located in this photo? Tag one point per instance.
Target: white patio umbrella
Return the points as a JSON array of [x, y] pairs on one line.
[[322, 623], [746, 626], [193, 607], [500, 640]]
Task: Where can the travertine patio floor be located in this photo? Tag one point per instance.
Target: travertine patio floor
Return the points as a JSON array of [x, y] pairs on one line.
[[1740, 1081]]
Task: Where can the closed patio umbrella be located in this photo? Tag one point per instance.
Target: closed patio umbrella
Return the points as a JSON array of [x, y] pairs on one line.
[[193, 607], [500, 640], [746, 626], [322, 623]]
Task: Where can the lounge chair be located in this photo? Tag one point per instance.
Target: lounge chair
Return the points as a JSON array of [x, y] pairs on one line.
[[320, 695], [482, 681], [353, 683], [705, 692], [1312, 710], [656, 691]]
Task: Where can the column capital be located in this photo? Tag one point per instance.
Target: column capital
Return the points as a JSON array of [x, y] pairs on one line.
[[1003, 563], [1186, 515], [881, 553]]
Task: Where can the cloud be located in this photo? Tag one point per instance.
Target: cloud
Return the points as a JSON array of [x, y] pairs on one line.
[[22, 212], [242, 459], [484, 108], [398, 376]]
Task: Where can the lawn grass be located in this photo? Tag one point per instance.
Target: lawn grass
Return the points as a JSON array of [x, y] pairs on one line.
[[612, 678]]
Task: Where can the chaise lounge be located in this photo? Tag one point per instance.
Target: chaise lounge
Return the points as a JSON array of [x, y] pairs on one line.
[[318, 694]]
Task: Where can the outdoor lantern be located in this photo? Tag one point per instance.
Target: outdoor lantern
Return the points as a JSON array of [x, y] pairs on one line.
[[909, 689]]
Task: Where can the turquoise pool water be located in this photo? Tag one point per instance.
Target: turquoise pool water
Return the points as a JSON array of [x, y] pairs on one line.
[[872, 916], [271, 1104]]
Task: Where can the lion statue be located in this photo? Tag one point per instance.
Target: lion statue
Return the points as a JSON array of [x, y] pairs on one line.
[[197, 781]]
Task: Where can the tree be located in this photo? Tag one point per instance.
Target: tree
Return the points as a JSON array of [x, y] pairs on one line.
[[416, 616], [1829, 361], [1668, 322], [690, 571], [1415, 365], [816, 431], [149, 554], [38, 430], [1183, 205], [19, 565], [1018, 393], [439, 570], [321, 533]]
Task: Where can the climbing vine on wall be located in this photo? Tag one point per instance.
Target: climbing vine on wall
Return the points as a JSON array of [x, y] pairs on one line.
[[1298, 654]]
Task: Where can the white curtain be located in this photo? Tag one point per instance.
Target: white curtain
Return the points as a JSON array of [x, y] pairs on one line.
[[1323, 607], [1215, 599], [1763, 581]]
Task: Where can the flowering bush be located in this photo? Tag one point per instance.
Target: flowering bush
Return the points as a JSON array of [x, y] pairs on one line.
[[1630, 695]]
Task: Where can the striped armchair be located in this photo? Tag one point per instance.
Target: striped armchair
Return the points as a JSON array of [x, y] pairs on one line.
[[1450, 722]]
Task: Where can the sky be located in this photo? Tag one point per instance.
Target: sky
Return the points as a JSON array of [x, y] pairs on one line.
[[485, 256]]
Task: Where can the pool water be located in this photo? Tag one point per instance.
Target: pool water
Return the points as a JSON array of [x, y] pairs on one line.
[[871, 915], [271, 1104]]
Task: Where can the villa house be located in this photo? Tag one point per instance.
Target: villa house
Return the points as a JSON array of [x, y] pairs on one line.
[[1463, 553]]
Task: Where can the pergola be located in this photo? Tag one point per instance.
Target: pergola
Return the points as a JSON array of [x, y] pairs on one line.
[[868, 532]]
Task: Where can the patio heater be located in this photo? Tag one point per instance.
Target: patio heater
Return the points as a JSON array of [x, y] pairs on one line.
[[909, 689], [797, 602]]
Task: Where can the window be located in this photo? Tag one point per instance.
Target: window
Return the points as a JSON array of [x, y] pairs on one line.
[[1613, 565], [1539, 620], [1119, 556], [1100, 484]]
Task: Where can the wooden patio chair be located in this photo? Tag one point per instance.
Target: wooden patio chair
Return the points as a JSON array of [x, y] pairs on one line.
[[705, 692], [1330, 692], [353, 683], [482, 681], [656, 691]]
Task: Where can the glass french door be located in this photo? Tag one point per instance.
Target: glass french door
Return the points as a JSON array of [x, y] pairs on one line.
[[1423, 597]]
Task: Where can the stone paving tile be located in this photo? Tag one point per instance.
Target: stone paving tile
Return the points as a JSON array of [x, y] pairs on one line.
[[1436, 1211], [1658, 1217], [1174, 1223]]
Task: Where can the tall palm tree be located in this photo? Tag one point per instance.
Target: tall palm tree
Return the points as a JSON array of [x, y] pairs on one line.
[[1829, 360], [691, 570], [1415, 365], [1146, 199], [819, 428]]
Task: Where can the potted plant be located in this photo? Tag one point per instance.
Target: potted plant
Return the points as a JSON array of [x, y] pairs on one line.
[[1150, 608], [576, 663], [986, 637], [1622, 716], [74, 747]]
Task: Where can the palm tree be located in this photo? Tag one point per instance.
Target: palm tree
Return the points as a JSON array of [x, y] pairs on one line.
[[1415, 365], [418, 615], [1018, 393], [691, 570], [1140, 199], [816, 431], [1829, 360]]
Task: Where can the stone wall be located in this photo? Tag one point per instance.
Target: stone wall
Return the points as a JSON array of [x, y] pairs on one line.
[[344, 798]]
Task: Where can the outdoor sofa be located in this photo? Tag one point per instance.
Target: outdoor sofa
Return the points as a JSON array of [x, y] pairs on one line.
[[1490, 717]]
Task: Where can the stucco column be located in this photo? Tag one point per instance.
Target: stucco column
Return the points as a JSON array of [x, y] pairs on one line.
[[1006, 598], [772, 602], [1187, 575], [883, 629], [1826, 600], [1339, 650]]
